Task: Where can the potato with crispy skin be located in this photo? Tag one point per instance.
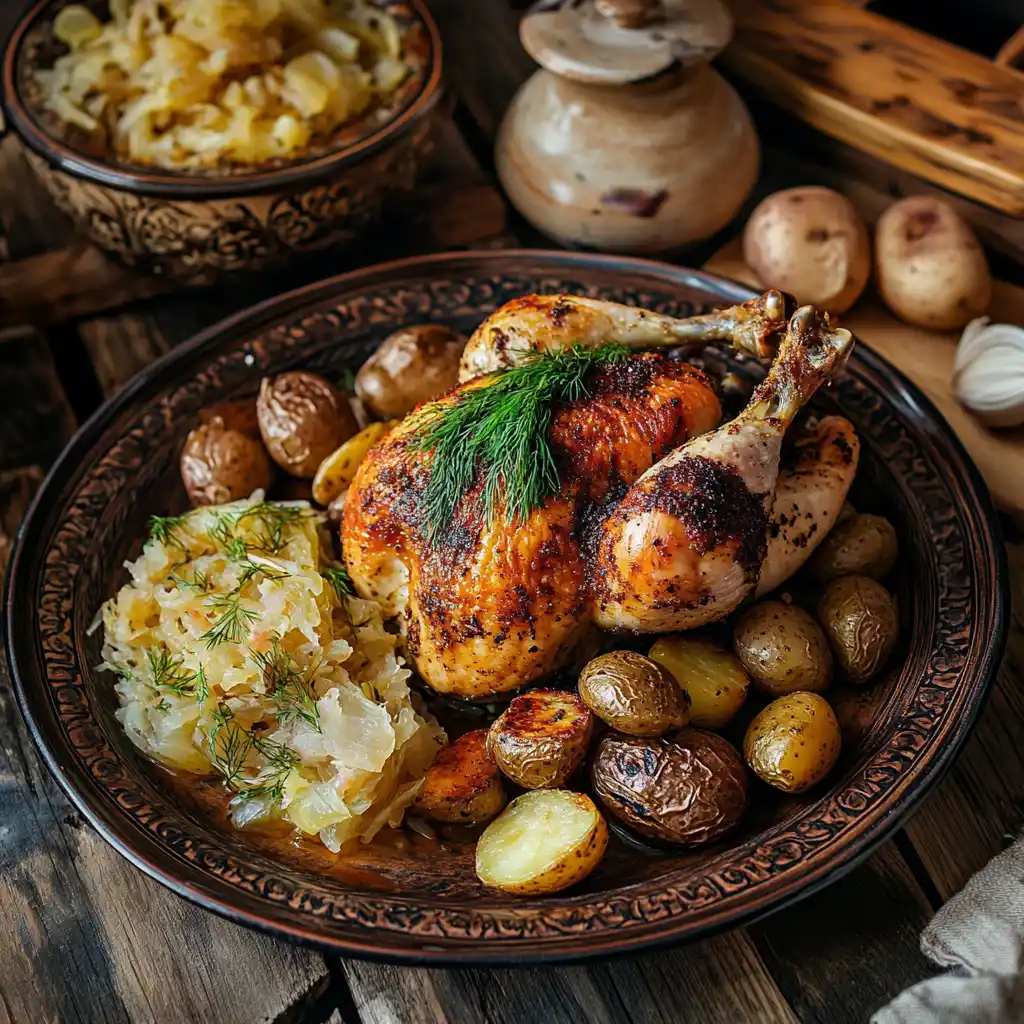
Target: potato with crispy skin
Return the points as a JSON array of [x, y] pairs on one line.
[[794, 742], [542, 842], [633, 694], [303, 418], [689, 789], [782, 648], [713, 679], [413, 365], [541, 738], [220, 465], [463, 785]]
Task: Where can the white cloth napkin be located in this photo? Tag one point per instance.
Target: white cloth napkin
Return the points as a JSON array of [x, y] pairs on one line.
[[979, 934]]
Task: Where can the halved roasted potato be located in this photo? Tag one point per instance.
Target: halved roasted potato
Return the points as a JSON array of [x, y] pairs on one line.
[[542, 842], [463, 785], [541, 738]]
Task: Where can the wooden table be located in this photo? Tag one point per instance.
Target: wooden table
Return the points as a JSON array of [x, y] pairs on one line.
[[86, 937]]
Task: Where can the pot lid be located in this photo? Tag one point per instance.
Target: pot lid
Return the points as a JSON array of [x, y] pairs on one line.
[[614, 42]]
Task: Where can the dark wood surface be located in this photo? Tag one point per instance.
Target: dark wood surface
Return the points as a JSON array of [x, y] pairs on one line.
[[86, 937]]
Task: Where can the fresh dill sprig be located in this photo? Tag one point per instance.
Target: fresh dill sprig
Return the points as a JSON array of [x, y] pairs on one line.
[[499, 432], [229, 745], [232, 619], [340, 580], [273, 518], [200, 582], [288, 688], [163, 529], [168, 672], [269, 784], [236, 549]]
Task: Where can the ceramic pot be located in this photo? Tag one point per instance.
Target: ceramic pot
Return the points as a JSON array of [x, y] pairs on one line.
[[623, 142]]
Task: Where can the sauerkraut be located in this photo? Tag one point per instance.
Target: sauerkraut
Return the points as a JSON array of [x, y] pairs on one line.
[[239, 650], [192, 83]]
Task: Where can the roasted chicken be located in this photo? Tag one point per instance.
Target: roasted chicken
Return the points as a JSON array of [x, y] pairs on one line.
[[662, 520]]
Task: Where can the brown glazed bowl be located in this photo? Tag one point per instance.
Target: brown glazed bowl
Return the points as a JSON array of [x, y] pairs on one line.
[[200, 227], [419, 901]]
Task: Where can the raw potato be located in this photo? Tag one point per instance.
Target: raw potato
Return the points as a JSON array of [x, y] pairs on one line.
[[336, 473], [689, 789], [931, 269], [220, 465], [713, 679], [862, 625], [541, 738], [633, 694], [782, 648], [812, 243], [794, 742], [303, 418], [413, 365], [463, 785], [542, 842], [862, 545]]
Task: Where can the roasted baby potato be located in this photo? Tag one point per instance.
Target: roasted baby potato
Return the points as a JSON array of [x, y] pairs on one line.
[[336, 473], [713, 679], [463, 785], [633, 694], [237, 414], [794, 742], [861, 623], [863, 545], [219, 464], [413, 365], [542, 842], [541, 738], [303, 418], [782, 648], [690, 788]]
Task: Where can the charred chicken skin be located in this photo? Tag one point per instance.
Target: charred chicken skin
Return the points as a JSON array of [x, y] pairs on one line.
[[662, 519]]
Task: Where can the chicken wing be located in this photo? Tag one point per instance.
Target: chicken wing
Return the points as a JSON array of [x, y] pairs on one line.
[[540, 323]]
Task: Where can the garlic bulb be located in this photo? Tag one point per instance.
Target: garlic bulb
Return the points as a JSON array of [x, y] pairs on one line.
[[988, 376]]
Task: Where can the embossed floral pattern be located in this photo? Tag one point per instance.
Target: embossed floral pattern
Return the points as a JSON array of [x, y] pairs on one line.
[[199, 242], [94, 508]]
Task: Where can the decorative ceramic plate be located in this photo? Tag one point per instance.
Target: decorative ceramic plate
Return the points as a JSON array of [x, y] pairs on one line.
[[413, 901]]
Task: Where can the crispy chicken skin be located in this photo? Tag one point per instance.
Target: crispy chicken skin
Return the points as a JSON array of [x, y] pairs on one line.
[[488, 610]]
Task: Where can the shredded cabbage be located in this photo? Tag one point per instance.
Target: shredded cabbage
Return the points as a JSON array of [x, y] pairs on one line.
[[238, 649], [191, 83]]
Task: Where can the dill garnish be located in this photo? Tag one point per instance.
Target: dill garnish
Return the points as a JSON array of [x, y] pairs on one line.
[[499, 432], [229, 745], [287, 687], [232, 619], [273, 518], [200, 582], [168, 673], [236, 549], [162, 528], [340, 580], [269, 784]]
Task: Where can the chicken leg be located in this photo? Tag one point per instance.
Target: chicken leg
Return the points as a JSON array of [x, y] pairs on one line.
[[686, 544], [542, 323]]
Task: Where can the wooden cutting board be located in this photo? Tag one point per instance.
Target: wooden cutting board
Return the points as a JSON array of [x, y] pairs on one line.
[[927, 357]]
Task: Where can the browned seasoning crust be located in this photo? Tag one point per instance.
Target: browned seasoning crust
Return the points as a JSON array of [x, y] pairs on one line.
[[486, 606]]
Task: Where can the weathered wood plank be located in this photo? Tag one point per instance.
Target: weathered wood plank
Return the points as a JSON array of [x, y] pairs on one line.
[[979, 809], [839, 955], [716, 982]]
